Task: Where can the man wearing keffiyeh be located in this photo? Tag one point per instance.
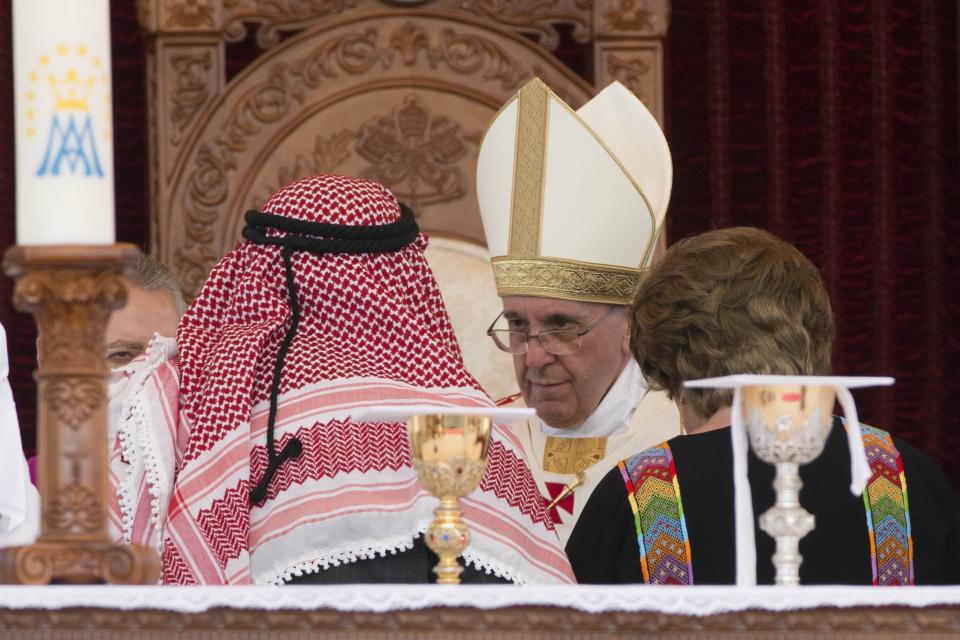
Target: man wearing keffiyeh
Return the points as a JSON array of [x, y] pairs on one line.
[[329, 307]]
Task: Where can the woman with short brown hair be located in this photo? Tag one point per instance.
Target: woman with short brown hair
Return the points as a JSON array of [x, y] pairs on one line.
[[730, 301], [742, 301]]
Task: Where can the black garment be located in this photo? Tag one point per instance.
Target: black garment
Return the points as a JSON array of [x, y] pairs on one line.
[[413, 566], [603, 546]]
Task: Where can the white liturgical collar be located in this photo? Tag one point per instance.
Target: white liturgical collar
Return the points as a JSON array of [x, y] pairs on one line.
[[612, 415]]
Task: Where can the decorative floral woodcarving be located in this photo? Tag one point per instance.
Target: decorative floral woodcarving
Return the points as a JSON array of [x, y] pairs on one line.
[[189, 13], [75, 508], [629, 18], [191, 90], [53, 296], [73, 400], [470, 54], [627, 15], [415, 154], [537, 17], [275, 16], [409, 40], [412, 151]]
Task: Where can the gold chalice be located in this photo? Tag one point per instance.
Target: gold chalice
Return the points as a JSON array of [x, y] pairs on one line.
[[450, 458], [788, 425]]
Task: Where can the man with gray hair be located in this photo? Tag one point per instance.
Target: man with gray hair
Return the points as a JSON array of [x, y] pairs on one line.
[[141, 350], [154, 305]]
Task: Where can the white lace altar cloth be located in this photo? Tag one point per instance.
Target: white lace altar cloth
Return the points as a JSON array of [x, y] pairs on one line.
[[696, 601]]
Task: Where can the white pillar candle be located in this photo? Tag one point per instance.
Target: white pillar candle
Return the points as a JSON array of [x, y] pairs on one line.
[[64, 123]]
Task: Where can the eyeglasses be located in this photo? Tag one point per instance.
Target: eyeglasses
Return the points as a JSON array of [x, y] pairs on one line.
[[557, 342]]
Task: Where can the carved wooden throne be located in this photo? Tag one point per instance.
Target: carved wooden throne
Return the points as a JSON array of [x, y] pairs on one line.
[[396, 91]]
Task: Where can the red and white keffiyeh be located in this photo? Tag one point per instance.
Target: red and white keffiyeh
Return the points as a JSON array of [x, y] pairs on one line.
[[142, 435], [372, 330]]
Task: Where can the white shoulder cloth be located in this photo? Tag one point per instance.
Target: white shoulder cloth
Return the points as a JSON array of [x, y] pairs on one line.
[[141, 442], [19, 500]]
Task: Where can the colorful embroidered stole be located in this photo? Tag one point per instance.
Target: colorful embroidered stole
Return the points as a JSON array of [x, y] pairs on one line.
[[888, 511], [654, 494]]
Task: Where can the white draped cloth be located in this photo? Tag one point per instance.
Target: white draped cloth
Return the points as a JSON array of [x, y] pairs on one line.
[[19, 500], [141, 441], [671, 600]]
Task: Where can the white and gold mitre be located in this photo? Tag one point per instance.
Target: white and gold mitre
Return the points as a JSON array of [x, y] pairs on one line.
[[572, 201]]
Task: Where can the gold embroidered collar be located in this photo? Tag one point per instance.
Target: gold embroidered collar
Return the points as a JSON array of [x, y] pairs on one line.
[[572, 455]]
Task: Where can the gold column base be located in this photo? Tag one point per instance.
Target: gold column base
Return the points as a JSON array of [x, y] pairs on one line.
[[71, 291]]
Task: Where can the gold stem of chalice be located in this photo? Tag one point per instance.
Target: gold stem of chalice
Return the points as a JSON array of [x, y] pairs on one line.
[[450, 457]]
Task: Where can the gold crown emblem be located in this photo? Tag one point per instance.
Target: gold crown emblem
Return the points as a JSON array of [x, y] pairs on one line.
[[71, 91]]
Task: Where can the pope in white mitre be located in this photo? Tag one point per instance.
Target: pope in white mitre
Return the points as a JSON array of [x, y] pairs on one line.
[[572, 204]]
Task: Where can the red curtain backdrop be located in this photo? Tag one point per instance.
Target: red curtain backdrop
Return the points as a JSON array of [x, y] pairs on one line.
[[835, 126], [832, 124]]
